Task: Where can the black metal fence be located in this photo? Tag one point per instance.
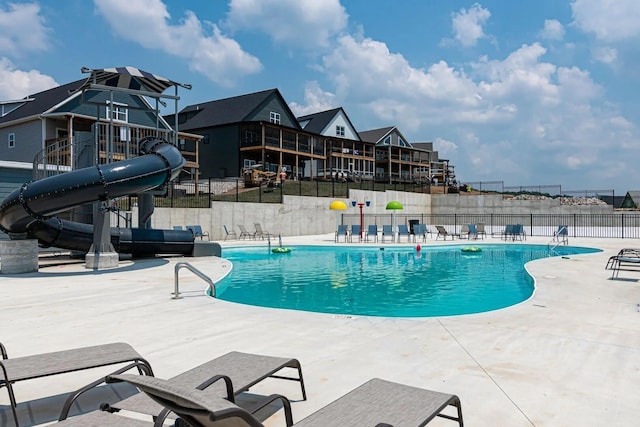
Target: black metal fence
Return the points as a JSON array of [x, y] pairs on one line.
[[621, 226]]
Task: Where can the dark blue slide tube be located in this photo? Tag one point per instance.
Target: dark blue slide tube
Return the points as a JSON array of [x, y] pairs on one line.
[[29, 212]]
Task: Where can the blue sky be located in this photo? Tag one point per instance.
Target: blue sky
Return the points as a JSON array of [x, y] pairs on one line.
[[527, 92]]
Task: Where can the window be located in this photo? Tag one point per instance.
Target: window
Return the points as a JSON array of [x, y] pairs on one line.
[[120, 112], [401, 142], [387, 140], [274, 117], [340, 130], [11, 140]]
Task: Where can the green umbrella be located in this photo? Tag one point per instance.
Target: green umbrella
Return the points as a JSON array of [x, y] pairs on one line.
[[393, 205]]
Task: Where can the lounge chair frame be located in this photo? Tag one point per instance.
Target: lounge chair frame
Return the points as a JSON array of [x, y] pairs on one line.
[[61, 362], [260, 232], [229, 233], [245, 233], [239, 371], [375, 403]]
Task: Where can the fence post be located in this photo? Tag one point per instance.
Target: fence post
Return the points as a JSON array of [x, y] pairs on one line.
[[530, 224], [622, 224], [281, 191], [237, 190], [208, 192]]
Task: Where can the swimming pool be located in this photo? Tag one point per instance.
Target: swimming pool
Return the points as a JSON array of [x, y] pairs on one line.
[[392, 282]]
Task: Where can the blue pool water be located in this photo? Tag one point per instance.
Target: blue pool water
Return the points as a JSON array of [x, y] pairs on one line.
[[394, 282]]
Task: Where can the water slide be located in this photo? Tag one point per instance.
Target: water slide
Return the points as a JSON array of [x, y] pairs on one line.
[[30, 212]]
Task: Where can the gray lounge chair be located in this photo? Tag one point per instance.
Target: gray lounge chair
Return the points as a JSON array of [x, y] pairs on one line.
[[61, 362], [442, 232], [234, 372], [260, 232], [245, 233], [229, 233], [375, 403]]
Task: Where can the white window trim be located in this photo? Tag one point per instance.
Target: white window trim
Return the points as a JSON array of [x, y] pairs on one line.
[[340, 130], [274, 117], [120, 109], [11, 140]]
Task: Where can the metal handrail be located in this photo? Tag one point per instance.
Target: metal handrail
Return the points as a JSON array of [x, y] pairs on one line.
[[200, 274]]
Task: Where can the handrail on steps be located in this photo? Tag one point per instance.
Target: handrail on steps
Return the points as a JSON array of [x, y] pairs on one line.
[[200, 274]]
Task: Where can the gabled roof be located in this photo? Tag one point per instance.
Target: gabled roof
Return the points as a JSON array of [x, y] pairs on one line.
[[375, 135], [42, 102], [317, 122], [228, 110]]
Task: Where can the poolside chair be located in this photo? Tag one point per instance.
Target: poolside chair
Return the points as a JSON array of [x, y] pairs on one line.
[[444, 233], [403, 230], [480, 230], [24, 368], [260, 232], [229, 233], [197, 231], [375, 403], [561, 235], [624, 252], [245, 233], [518, 232], [177, 227], [342, 231], [232, 374], [387, 230], [372, 231], [420, 230], [464, 231], [509, 232], [473, 232], [355, 231]]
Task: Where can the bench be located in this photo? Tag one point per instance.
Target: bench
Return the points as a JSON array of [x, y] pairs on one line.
[[61, 362]]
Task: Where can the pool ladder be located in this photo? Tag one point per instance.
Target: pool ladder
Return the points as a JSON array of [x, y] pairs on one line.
[[179, 266]]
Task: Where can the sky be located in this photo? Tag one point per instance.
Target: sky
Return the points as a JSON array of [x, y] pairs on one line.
[[527, 92]]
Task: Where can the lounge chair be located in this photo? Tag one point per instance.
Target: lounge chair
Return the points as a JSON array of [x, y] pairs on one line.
[[355, 231], [473, 232], [375, 403], [403, 230], [229, 233], [624, 252], [197, 231], [480, 230], [514, 232], [420, 230], [342, 231], [260, 232], [61, 362], [372, 231], [238, 372], [464, 231], [387, 230], [177, 227], [245, 233], [561, 235], [444, 233]]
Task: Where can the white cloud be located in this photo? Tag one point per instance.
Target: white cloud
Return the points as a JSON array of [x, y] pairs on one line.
[[606, 55], [301, 23], [553, 30], [22, 29], [608, 20], [209, 52], [16, 84], [316, 100], [528, 112], [467, 24]]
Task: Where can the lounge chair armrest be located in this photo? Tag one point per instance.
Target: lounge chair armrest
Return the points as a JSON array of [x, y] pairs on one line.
[[286, 405], [3, 351], [142, 367], [214, 379]]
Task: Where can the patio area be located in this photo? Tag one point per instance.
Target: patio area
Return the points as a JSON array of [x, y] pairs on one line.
[[570, 355]]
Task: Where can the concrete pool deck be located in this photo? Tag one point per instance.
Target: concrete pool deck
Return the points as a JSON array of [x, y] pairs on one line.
[[570, 355]]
